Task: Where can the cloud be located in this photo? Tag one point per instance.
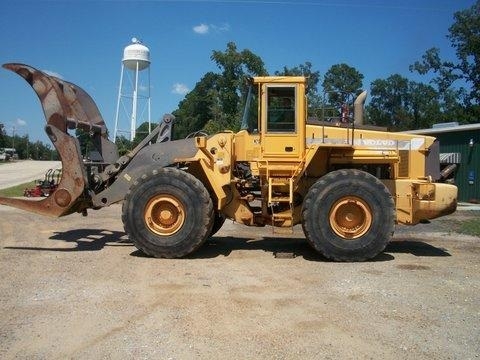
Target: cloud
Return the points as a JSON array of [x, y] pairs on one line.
[[221, 28], [53, 73], [180, 89], [20, 122], [204, 29], [201, 29]]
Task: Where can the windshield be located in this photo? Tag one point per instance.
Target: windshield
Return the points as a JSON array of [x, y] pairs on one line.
[[250, 112]]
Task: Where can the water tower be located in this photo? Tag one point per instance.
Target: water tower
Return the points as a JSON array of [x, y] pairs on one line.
[[134, 92]]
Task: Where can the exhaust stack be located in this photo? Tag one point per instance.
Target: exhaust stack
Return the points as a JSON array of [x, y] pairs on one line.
[[358, 108]]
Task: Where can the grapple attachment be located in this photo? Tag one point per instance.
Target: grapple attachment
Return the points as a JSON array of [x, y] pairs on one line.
[[66, 106]]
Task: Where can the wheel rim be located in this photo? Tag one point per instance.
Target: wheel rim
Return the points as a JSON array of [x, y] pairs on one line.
[[164, 215], [350, 217]]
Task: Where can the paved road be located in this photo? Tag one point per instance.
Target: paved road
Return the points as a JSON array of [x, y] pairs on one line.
[[19, 172]]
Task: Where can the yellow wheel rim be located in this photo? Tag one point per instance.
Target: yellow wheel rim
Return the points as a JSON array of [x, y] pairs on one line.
[[350, 217], [164, 215]]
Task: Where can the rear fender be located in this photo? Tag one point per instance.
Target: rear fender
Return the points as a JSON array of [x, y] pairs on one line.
[[157, 155]]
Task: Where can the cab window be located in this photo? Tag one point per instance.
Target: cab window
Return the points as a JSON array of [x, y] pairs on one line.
[[281, 109]]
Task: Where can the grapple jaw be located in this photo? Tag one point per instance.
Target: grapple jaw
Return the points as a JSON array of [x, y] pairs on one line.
[[66, 106]]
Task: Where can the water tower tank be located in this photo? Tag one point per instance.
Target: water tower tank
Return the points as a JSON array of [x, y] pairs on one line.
[[136, 53]]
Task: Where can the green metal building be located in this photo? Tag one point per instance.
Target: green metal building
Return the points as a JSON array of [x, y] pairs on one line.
[[460, 145]]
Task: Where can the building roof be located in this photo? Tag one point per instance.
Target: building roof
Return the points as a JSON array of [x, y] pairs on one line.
[[444, 128]]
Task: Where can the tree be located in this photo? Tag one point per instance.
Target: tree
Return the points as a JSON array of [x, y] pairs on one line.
[[86, 142], [342, 82], [123, 145], [423, 106], [465, 38], [401, 104], [464, 35], [214, 104], [22, 146], [141, 133], [196, 109], [235, 67], [2, 135], [313, 77], [388, 102]]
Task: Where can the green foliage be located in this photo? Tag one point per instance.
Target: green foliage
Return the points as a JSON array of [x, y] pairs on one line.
[[313, 78], [341, 83], [28, 150], [458, 103], [3, 133], [141, 133], [86, 142], [215, 102], [465, 37], [396, 102], [123, 145], [198, 107], [470, 227], [235, 67], [400, 104]]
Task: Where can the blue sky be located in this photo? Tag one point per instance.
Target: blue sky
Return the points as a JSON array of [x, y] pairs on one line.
[[83, 42]]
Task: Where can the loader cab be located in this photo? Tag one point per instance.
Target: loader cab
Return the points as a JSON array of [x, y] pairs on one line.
[[281, 117]]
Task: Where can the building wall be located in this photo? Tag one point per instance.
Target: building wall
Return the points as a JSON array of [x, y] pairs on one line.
[[467, 176]]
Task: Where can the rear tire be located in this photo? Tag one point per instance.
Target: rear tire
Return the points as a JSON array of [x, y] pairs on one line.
[[167, 213], [348, 215]]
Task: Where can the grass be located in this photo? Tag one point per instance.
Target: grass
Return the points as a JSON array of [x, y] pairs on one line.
[[470, 227], [18, 190], [461, 222]]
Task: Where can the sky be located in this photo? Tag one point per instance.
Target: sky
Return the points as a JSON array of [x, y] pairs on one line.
[[83, 42]]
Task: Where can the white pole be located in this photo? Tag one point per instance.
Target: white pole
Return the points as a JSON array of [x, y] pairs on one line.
[[148, 103], [134, 106], [118, 105]]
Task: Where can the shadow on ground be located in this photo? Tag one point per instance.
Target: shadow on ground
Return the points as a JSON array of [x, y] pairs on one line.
[[84, 240], [96, 239]]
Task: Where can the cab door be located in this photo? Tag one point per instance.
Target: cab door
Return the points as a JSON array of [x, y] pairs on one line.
[[282, 117]]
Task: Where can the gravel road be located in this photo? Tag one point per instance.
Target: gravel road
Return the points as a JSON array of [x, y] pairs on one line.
[[19, 172], [75, 288]]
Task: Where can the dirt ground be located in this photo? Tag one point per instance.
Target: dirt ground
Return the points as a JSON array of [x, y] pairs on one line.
[[75, 288]]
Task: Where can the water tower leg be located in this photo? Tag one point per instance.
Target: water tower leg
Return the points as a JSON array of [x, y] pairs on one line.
[[118, 105]]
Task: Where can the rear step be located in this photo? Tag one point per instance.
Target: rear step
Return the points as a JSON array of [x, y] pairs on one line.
[[276, 186]]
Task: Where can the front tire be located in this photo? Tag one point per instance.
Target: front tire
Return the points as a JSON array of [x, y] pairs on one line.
[[348, 215], [218, 221], [167, 213]]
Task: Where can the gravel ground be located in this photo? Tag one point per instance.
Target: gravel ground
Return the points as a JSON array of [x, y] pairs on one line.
[[19, 172], [75, 288]]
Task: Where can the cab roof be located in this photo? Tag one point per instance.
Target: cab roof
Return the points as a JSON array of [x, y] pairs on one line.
[[279, 79]]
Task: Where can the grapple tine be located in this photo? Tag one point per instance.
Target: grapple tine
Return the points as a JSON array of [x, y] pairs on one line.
[[65, 105]]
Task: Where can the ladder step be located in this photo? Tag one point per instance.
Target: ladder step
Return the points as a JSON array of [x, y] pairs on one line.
[[280, 199], [280, 181], [283, 230], [282, 216]]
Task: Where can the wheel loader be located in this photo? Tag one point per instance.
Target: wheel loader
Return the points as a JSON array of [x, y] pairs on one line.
[[345, 183]]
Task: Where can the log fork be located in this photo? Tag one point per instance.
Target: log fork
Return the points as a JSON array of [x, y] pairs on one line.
[[66, 106]]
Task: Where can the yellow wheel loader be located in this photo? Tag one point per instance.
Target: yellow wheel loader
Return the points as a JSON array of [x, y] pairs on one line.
[[347, 184]]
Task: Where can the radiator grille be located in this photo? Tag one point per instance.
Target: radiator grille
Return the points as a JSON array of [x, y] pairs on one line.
[[403, 167]]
